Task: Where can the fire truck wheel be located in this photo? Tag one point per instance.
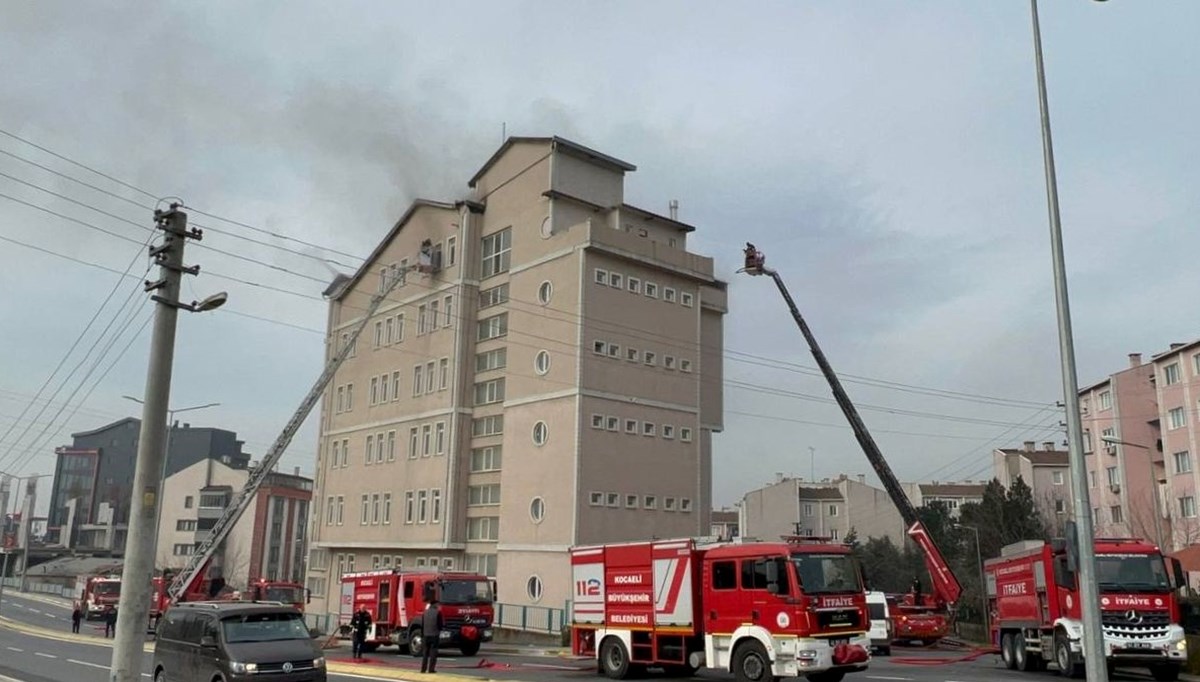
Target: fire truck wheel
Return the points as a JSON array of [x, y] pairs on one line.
[[1006, 651], [1062, 656], [614, 659], [1025, 661], [827, 676], [416, 642], [469, 648], [1165, 673], [751, 664]]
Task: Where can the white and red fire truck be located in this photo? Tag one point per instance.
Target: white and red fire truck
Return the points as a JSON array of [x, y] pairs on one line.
[[1036, 619], [759, 609], [94, 594], [395, 599]]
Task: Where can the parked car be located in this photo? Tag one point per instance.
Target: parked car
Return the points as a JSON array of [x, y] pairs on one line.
[[235, 641], [881, 623]]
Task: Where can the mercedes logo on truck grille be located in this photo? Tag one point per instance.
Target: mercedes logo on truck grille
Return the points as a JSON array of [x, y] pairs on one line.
[[1133, 617]]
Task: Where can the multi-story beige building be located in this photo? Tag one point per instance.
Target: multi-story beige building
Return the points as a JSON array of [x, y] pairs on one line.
[[828, 508], [1046, 471], [553, 379]]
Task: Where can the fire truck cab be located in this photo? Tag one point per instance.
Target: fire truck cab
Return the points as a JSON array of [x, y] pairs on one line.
[[1036, 613], [94, 594], [395, 599], [758, 610]]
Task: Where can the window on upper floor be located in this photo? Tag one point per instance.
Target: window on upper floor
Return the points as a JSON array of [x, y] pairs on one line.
[[1057, 477], [1183, 462], [1105, 400], [492, 359], [1176, 418], [493, 327], [1171, 374], [496, 253], [492, 297]]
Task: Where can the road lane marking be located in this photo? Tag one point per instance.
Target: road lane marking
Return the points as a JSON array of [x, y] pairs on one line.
[[38, 653], [885, 677], [90, 665], [34, 611], [13, 648]]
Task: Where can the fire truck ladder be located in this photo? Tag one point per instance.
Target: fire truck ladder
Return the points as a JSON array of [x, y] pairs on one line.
[[945, 584], [198, 563]]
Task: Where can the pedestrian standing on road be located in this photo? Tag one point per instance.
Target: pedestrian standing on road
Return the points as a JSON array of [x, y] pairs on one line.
[[360, 624], [110, 622], [431, 630], [76, 617]]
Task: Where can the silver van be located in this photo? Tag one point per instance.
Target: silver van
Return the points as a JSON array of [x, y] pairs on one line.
[[234, 642]]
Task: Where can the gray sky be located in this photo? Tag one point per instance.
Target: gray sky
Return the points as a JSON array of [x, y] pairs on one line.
[[886, 157]]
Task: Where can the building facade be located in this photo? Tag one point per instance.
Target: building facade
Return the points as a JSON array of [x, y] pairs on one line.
[[726, 524], [269, 541], [552, 378], [828, 508], [93, 479], [1047, 473], [1177, 393]]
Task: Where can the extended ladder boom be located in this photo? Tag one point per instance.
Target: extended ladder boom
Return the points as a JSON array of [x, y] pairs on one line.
[[198, 563], [945, 584]]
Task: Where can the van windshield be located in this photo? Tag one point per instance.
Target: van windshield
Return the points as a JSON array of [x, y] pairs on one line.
[[263, 627], [827, 573]]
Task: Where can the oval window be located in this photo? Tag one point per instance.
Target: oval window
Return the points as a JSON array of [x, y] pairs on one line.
[[547, 228], [537, 509], [545, 291], [541, 433], [533, 588], [541, 362]]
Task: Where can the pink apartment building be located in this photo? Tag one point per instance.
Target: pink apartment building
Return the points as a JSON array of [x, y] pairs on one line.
[[1177, 390]]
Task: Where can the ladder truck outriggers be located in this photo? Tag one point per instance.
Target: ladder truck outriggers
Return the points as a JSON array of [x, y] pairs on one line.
[[924, 617], [191, 581]]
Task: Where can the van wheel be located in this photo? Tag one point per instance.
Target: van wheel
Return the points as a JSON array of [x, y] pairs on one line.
[[1006, 651], [751, 664], [416, 643], [614, 659], [885, 650], [1062, 656]]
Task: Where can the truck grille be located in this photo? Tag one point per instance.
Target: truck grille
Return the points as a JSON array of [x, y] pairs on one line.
[[842, 619], [1144, 624]]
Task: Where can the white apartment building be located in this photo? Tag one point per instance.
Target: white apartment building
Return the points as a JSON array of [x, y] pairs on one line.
[[553, 379]]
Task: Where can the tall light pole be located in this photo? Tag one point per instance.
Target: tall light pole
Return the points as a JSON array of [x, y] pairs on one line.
[[133, 609], [1093, 636], [982, 581], [1158, 535], [171, 418]]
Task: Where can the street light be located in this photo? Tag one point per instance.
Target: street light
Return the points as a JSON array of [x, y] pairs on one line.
[[171, 421], [1158, 536], [983, 597]]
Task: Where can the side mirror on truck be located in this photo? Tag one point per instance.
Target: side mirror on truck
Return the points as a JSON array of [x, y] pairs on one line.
[[1178, 573]]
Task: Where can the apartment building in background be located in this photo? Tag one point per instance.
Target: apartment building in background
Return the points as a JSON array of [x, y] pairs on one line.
[[1177, 392], [93, 478], [1045, 470], [269, 541], [551, 376], [725, 524]]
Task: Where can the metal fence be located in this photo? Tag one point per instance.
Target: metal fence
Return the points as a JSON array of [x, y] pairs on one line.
[[530, 618], [40, 588]]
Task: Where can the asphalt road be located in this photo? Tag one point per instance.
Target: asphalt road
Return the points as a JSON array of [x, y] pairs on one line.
[[33, 658]]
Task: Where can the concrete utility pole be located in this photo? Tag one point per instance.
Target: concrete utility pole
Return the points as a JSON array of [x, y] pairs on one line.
[[133, 609], [1093, 636]]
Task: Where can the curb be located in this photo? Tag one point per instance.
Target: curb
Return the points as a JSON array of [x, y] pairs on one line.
[[34, 596]]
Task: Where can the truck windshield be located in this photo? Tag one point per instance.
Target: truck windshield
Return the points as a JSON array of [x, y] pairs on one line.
[[285, 595], [264, 627], [466, 592], [1131, 573], [106, 588], [827, 573]]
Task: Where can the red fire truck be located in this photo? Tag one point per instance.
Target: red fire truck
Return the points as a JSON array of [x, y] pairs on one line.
[[395, 599], [759, 609], [94, 594], [1034, 599], [283, 592]]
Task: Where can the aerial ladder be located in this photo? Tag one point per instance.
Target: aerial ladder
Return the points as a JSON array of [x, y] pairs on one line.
[[945, 585], [188, 580]]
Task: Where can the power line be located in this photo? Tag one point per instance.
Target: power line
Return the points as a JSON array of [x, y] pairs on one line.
[[78, 164]]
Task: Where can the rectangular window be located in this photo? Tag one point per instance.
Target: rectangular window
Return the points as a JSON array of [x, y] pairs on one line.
[[396, 385], [1091, 479], [345, 452], [808, 509], [1171, 373], [493, 327], [597, 421], [685, 504], [426, 439], [686, 299], [443, 374], [650, 502], [435, 317], [374, 393], [650, 289], [1087, 441], [378, 334], [669, 361], [612, 499], [435, 501], [600, 347], [451, 251], [430, 384], [496, 253], [370, 458], [668, 504], [724, 575], [1060, 506], [485, 528], [493, 297], [384, 389], [1177, 418], [1105, 400], [1183, 462], [612, 423], [448, 311], [487, 426], [422, 506], [685, 365], [418, 382], [601, 276], [833, 510], [399, 327], [1057, 477], [391, 446], [634, 284], [1196, 364], [341, 400], [648, 428], [341, 509], [631, 426], [389, 331], [668, 431], [335, 459], [329, 509], [615, 280], [488, 392], [483, 495], [1113, 479], [387, 508], [631, 501], [631, 354], [365, 510], [596, 499], [422, 319], [439, 438], [1187, 507], [833, 533], [614, 350], [413, 443], [1117, 516], [685, 434], [668, 294], [649, 358], [485, 459], [410, 507], [376, 508], [492, 359]]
